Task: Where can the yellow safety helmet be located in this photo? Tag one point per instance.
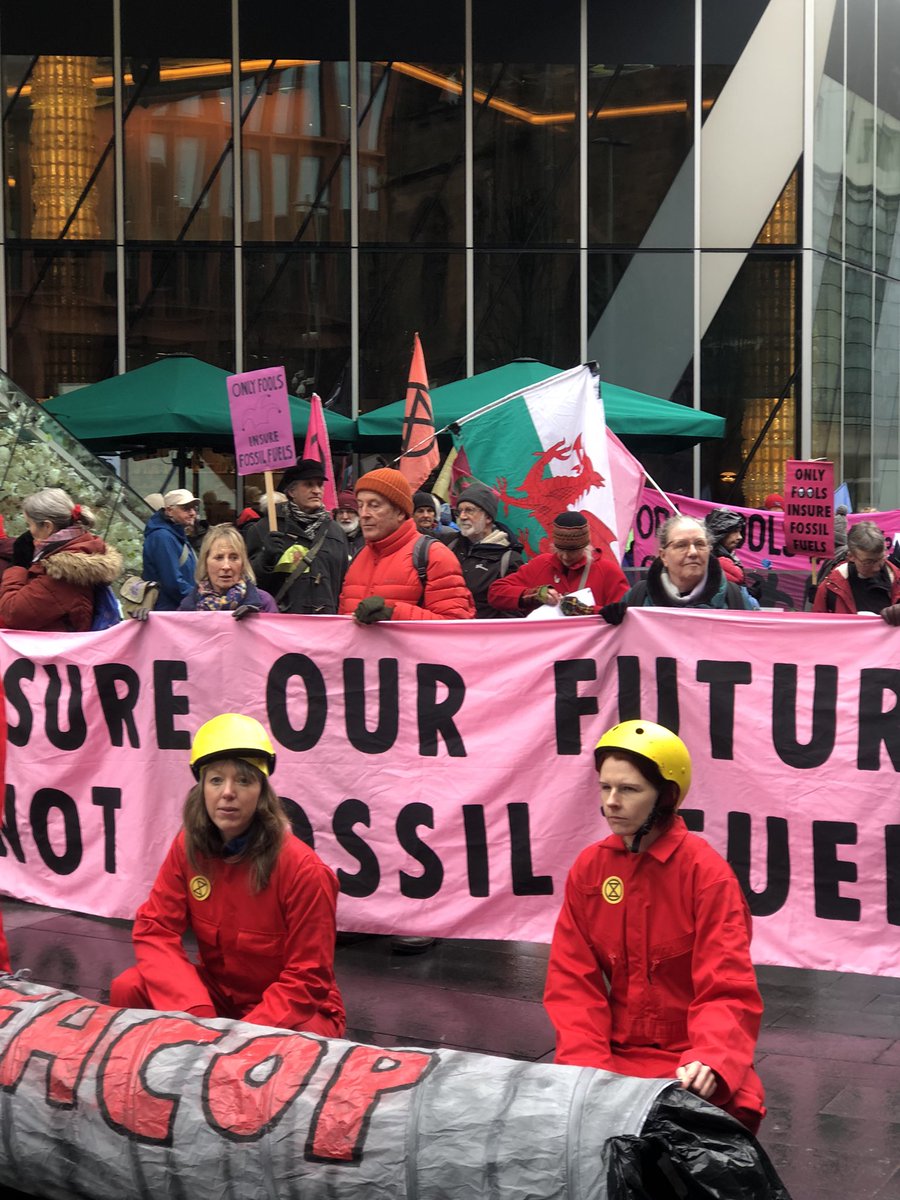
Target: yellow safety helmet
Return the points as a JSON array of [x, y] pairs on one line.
[[660, 745], [232, 735]]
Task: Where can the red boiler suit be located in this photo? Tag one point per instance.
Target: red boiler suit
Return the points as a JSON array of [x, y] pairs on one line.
[[265, 957], [669, 928]]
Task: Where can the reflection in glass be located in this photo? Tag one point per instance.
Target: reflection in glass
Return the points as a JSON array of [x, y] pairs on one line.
[[526, 154], [402, 293], [526, 300], [297, 315], [412, 153], [179, 300], [640, 130], [62, 315], [886, 396], [295, 148], [857, 377], [759, 315], [828, 139], [178, 150], [36, 451], [827, 360]]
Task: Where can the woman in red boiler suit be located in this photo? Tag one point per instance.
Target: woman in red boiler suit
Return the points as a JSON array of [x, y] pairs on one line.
[[260, 902], [650, 972]]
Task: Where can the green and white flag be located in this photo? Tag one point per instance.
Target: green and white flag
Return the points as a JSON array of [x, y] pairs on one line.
[[546, 449]]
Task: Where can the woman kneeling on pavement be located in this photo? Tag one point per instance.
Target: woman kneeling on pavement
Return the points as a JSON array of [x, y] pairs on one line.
[[225, 579], [260, 902], [650, 972]]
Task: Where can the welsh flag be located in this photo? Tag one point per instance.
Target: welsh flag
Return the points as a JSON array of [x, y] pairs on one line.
[[547, 449]]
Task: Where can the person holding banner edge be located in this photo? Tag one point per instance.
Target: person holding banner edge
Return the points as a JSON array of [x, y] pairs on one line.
[[650, 972], [683, 575], [260, 902]]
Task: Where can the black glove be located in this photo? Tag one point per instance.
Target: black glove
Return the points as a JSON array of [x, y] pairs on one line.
[[23, 550], [891, 614], [614, 614], [372, 609], [277, 542], [244, 610]]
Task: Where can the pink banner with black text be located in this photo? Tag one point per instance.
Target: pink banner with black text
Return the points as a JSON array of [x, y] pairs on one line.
[[445, 771], [763, 553]]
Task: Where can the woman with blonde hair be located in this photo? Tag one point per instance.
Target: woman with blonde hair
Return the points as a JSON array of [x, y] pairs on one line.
[[225, 579], [260, 902], [56, 567]]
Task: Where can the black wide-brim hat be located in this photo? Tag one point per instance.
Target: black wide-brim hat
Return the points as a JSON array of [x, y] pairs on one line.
[[306, 468]]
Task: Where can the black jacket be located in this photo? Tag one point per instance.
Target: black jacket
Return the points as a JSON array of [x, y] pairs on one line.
[[316, 590], [484, 562]]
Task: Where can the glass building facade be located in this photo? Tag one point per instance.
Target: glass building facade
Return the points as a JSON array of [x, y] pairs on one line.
[[702, 196]]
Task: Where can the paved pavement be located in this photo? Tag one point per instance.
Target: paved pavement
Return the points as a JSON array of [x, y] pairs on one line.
[[829, 1054]]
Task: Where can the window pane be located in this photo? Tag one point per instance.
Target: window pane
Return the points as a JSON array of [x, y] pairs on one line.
[[402, 293], [62, 316], [412, 153], [748, 356], [858, 386], [827, 361], [526, 135], [886, 399], [179, 300], [640, 120], [298, 316], [524, 307]]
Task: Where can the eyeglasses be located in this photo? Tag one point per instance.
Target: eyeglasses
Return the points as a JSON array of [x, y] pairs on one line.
[[862, 561], [683, 546]]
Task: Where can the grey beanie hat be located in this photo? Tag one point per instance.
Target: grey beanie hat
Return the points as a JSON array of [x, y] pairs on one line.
[[482, 496]]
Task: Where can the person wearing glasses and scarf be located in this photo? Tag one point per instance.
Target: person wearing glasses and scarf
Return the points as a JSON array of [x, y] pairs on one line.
[[684, 574]]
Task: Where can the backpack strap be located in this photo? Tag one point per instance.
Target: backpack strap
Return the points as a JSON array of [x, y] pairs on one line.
[[504, 564], [421, 552], [303, 565]]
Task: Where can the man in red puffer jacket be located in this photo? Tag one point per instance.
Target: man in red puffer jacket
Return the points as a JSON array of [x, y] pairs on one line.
[[383, 582]]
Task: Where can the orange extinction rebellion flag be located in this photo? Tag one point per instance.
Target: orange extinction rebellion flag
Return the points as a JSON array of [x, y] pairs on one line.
[[418, 449]]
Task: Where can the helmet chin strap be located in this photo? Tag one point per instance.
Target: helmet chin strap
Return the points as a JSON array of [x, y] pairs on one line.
[[638, 837]]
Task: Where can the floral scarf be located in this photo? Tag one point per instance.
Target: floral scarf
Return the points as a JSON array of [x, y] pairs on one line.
[[209, 600]]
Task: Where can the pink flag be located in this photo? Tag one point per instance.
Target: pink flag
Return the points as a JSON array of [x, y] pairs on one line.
[[628, 485], [316, 446], [418, 448]]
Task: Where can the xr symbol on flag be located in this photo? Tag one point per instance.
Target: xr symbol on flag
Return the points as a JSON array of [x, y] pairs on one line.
[[419, 414]]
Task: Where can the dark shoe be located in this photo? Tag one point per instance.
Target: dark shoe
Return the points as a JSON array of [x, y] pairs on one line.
[[411, 945]]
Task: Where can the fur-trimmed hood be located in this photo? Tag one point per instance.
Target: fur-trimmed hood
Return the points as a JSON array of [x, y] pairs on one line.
[[85, 561]]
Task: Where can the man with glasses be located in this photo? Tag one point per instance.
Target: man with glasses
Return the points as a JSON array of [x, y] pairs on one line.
[[486, 550], [866, 581], [685, 574], [169, 558]]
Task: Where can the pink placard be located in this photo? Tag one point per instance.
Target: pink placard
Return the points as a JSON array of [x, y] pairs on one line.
[[809, 507], [444, 769], [261, 418]]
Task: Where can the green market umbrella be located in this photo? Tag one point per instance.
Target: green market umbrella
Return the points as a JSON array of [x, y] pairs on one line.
[[173, 402], [642, 422]]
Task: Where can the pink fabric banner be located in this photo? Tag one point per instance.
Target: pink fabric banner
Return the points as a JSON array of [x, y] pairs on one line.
[[763, 549], [446, 772]]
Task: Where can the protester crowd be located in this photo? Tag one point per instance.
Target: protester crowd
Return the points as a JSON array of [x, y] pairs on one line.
[[385, 553]]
